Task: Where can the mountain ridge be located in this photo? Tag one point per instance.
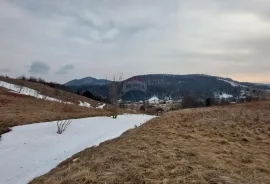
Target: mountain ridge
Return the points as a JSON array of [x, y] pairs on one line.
[[177, 86], [87, 81]]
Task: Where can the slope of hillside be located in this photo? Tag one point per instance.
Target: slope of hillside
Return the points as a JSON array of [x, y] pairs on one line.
[[17, 109], [226, 144], [41, 143], [26, 91], [52, 92]]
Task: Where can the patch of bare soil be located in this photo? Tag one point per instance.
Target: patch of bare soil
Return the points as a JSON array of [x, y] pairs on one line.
[[225, 145]]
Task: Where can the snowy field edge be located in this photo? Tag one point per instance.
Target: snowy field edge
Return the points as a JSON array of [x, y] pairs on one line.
[[29, 151]]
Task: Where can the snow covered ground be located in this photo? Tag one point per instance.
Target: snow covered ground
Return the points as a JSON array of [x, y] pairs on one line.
[[230, 82], [223, 95], [153, 100], [26, 91], [32, 150], [31, 92], [101, 106], [85, 104]]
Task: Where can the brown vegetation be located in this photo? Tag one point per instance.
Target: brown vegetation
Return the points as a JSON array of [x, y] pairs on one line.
[[225, 144], [52, 92], [19, 109]]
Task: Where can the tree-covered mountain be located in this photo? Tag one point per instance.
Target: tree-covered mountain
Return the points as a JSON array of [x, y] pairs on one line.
[[177, 86], [87, 81]]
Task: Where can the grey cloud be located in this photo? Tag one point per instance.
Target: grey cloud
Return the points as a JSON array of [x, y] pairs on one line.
[[259, 7], [39, 67], [65, 69], [216, 36], [5, 70]]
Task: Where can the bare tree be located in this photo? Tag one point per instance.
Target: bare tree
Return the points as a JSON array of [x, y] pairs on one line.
[[62, 125], [114, 92]]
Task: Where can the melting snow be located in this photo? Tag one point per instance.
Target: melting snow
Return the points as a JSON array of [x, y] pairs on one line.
[[101, 106], [85, 104], [223, 95], [32, 150], [31, 92], [153, 100], [26, 91]]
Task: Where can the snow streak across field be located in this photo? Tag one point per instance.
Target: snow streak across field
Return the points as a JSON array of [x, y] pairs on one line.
[[26, 91], [31, 92], [32, 150]]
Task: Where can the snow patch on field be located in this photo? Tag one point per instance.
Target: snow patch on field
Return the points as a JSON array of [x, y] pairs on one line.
[[101, 106], [31, 92], [26, 91], [32, 150], [85, 104]]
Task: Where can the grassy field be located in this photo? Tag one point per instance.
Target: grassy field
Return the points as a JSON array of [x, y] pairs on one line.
[[19, 109], [226, 145], [52, 92]]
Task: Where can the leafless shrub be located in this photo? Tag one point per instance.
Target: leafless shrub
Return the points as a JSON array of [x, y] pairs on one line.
[[32, 79], [114, 93], [22, 78], [62, 125]]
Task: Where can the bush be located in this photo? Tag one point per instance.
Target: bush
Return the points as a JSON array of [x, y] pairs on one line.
[[209, 102], [62, 125], [22, 78], [189, 102]]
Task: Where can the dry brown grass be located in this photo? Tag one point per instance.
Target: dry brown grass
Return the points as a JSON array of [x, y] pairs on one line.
[[226, 145], [19, 109], [51, 92]]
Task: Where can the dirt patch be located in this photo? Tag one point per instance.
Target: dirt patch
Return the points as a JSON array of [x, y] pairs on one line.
[[229, 144]]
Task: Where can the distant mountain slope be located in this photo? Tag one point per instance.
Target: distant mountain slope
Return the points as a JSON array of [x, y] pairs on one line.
[[87, 81], [256, 85], [177, 86]]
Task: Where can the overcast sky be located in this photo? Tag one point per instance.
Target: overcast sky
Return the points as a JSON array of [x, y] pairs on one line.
[[60, 40]]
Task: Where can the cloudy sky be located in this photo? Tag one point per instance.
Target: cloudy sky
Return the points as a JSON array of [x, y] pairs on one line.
[[61, 40]]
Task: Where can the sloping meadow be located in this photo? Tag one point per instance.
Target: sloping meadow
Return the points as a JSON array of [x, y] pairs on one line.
[[226, 144]]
